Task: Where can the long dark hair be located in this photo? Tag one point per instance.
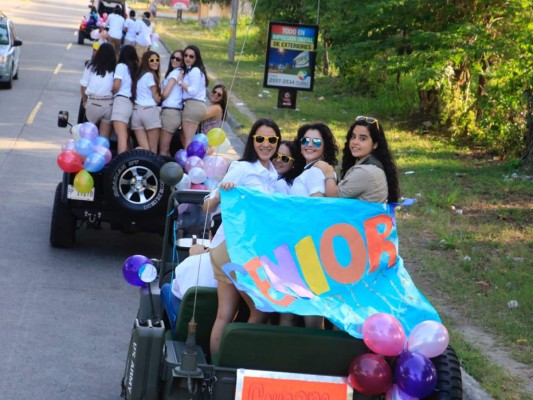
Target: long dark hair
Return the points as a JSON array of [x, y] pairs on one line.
[[198, 62], [249, 153], [169, 68], [104, 60], [381, 153], [291, 174], [145, 69], [128, 56], [331, 150], [224, 99]]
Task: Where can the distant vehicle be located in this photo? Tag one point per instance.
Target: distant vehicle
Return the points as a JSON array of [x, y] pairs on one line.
[[9, 52], [102, 7]]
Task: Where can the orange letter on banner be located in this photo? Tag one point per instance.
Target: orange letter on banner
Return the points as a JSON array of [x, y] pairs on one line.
[[355, 269], [377, 242], [310, 266], [252, 266]]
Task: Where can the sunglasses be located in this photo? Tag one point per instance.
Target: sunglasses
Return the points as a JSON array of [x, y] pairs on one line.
[[219, 94], [189, 56], [368, 120], [153, 60], [261, 139], [306, 141], [175, 58], [284, 159]]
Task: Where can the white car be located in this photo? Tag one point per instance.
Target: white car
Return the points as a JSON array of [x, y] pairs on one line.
[[9, 52]]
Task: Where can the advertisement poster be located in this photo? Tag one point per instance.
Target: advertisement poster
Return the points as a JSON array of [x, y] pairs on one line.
[[291, 54]]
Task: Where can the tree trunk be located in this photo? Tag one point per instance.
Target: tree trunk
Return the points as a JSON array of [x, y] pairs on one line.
[[528, 152]]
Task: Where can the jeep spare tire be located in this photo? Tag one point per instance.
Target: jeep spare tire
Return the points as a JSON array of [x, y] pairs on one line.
[[132, 184]]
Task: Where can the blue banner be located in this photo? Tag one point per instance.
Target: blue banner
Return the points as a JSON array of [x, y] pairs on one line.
[[320, 256]]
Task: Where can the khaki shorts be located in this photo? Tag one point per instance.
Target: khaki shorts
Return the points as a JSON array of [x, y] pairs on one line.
[[145, 118], [99, 109], [122, 109], [193, 111], [220, 257], [170, 119]]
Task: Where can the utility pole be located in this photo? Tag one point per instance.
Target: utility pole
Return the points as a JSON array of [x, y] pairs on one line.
[[233, 24]]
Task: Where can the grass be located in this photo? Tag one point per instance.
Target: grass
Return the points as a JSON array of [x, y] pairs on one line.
[[469, 234]]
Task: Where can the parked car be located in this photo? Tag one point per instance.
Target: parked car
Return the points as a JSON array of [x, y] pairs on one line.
[[107, 7], [9, 52]]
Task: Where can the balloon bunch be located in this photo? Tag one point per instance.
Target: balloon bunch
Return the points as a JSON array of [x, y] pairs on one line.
[[414, 374], [203, 171], [138, 270], [87, 152]]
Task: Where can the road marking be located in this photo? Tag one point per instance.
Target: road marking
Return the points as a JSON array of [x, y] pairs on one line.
[[69, 46], [33, 113], [56, 71]]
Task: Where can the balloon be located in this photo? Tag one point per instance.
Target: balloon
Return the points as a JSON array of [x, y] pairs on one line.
[[200, 137], [84, 147], [94, 162], [104, 17], [198, 186], [211, 183], [197, 175], [193, 161], [215, 166], [75, 131], [196, 149], [102, 141], [70, 161], [181, 157], [224, 147], [395, 393], [83, 182], [88, 130], [216, 136], [96, 46], [103, 151], [185, 183], [370, 374], [69, 145], [383, 334], [154, 46], [95, 34], [171, 173], [415, 374], [131, 267], [429, 338], [147, 273], [182, 208]]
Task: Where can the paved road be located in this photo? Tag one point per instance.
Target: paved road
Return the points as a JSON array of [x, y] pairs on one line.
[[65, 315]]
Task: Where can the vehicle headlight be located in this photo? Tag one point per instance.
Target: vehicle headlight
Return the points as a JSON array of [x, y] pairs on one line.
[[3, 59]]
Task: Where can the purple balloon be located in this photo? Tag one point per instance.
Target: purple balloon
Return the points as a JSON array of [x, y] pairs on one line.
[[429, 338], [415, 374], [131, 267], [215, 166], [196, 149], [69, 145], [193, 162], [181, 157], [395, 393], [103, 151], [88, 130], [102, 141]]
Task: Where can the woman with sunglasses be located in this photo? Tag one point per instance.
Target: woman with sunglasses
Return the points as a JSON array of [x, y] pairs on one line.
[[253, 170], [146, 121], [368, 171], [283, 162], [127, 66], [215, 111], [172, 102], [194, 83], [96, 88]]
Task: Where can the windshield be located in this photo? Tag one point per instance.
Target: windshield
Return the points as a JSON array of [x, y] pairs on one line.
[[3, 35]]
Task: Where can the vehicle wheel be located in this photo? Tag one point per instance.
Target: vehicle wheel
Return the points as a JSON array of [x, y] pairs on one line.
[[81, 36], [449, 382], [63, 225], [132, 183]]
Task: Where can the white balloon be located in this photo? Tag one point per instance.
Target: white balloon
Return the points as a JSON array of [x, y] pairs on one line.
[[185, 183], [224, 147], [75, 131], [197, 175]]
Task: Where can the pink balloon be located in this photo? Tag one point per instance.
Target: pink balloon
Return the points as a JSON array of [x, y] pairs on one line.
[[384, 334], [197, 175], [429, 338], [69, 145], [370, 374], [103, 151], [192, 162], [199, 186], [395, 393], [215, 166]]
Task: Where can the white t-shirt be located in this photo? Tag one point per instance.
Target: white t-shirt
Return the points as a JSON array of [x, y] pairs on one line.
[[115, 23], [131, 29], [144, 33], [309, 182], [281, 186], [123, 73], [175, 98], [195, 81], [251, 175], [193, 271], [144, 94], [97, 85]]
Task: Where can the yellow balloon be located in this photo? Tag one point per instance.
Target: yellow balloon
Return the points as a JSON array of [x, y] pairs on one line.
[[96, 45], [83, 182], [216, 136]]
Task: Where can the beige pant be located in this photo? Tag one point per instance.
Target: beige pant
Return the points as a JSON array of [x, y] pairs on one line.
[[140, 50]]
